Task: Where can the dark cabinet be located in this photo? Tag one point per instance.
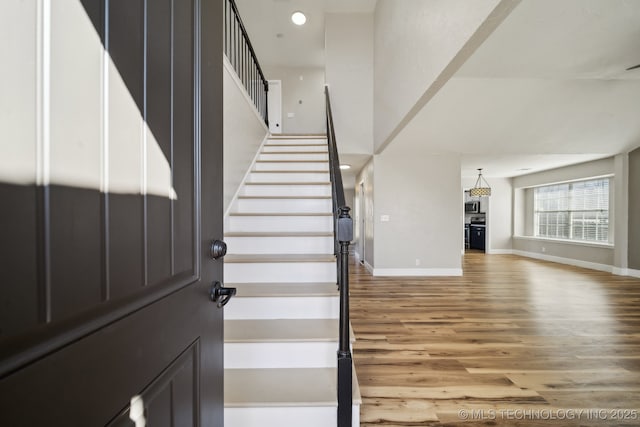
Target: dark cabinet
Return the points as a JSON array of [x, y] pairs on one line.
[[477, 237]]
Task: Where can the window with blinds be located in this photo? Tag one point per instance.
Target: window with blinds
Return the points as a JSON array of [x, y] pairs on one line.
[[573, 211]]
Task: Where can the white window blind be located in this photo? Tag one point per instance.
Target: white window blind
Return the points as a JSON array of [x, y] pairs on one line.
[[573, 211]]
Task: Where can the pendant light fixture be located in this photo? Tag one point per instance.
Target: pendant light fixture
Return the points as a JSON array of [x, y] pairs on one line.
[[481, 188]]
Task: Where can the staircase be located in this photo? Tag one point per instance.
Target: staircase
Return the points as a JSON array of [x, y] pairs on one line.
[[281, 329]]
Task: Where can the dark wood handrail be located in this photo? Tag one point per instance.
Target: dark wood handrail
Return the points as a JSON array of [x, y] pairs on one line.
[[244, 60], [343, 234]]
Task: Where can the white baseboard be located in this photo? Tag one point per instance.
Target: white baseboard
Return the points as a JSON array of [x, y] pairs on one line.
[[569, 261], [369, 267], [626, 272], [417, 272], [500, 252], [633, 273]]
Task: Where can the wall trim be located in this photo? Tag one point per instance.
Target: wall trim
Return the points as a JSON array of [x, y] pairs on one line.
[[633, 273], [626, 272], [568, 242], [417, 272], [369, 267], [245, 178], [500, 252], [569, 261]]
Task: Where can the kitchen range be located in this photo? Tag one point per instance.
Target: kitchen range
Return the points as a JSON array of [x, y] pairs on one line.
[[475, 213], [474, 232], [477, 228]]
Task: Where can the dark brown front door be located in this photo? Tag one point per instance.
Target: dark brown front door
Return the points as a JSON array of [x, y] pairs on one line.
[[105, 266]]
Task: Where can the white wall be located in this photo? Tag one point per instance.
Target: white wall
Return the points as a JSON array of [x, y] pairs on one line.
[[243, 132], [414, 40], [349, 74], [302, 95], [421, 194]]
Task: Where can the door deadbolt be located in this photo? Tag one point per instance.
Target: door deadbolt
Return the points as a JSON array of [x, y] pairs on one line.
[[218, 249]]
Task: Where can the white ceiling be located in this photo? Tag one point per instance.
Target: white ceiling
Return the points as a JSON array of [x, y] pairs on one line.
[[548, 88], [279, 42]]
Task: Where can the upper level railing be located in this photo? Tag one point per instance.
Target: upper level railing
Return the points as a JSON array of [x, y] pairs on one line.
[[242, 57], [343, 234]]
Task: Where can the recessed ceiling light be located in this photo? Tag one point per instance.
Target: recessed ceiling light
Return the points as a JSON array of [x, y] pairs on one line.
[[345, 166], [298, 18]]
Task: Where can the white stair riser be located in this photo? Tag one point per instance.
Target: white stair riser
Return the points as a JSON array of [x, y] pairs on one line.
[[280, 223], [286, 272], [290, 148], [320, 307], [289, 177], [266, 355], [291, 166], [283, 205], [280, 245], [307, 416], [293, 141], [286, 190], [290, 156]]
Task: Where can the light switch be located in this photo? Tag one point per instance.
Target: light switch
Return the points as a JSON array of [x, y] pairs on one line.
[[291, 115], [384, 218]]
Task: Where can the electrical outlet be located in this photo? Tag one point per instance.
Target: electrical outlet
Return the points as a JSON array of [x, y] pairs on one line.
[[417, 261], [544, 249]]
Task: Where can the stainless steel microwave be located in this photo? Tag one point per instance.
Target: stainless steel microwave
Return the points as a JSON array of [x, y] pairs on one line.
[[472, 207]]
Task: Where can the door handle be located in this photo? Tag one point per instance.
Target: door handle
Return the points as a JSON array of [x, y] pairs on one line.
[[221, 295], [218, 249]]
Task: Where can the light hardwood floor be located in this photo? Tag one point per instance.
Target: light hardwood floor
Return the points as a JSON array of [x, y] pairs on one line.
[[514, 342]]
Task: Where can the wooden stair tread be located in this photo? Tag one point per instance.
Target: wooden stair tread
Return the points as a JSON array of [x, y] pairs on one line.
[[278, 234], [273, 387], [283, 290], [288, 183], [281, 214], [264, 387], [292, 161], [284, 197], [294, 145], [298, 136], [264, 258], [290, 171], [280, 387], [294, 152], [281, 330]]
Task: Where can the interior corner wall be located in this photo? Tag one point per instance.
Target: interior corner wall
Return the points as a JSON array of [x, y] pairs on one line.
[[243, 133], [418, 213], [349, 74], [414, 40], [634, 210], [302, 97]]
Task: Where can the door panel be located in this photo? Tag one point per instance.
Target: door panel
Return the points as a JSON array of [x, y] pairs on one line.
[[105, 295]]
